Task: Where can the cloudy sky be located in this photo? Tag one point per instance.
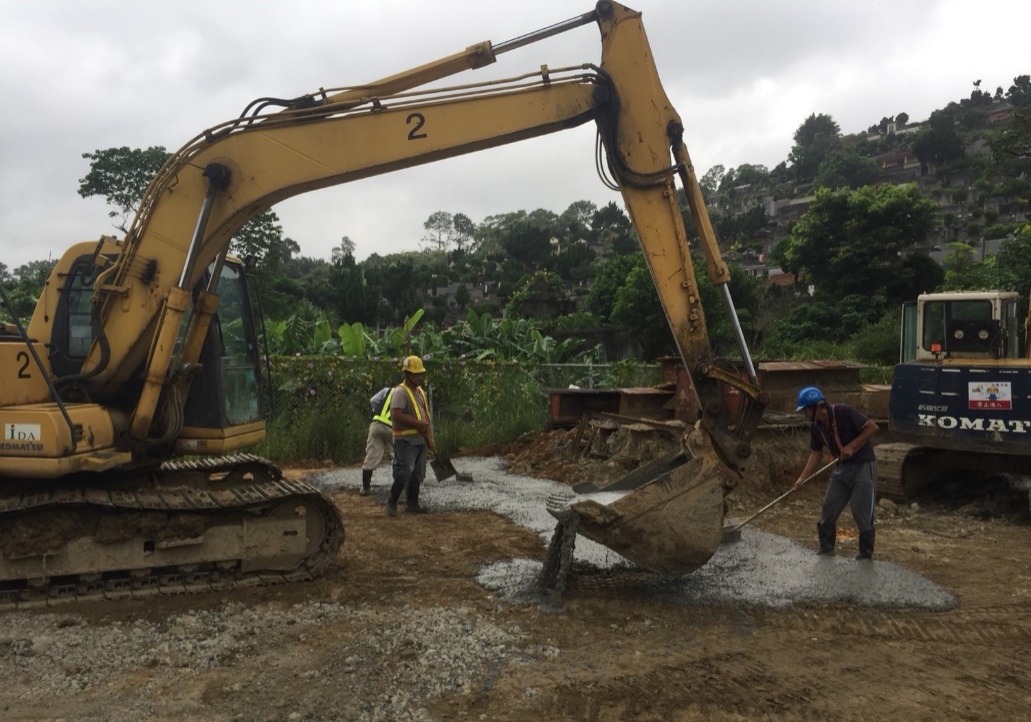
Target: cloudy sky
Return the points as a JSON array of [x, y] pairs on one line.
[[82, 75]]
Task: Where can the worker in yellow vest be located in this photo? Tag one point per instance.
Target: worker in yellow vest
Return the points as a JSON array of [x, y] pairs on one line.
[[413, 439]]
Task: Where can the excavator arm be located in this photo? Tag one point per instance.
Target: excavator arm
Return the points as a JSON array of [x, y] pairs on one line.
[[148, 314]]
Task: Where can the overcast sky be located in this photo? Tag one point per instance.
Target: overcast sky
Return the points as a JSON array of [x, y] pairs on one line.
[[82, 75]]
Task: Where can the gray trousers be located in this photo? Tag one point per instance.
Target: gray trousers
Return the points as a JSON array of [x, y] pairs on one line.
[[853, 485], [409, 471]]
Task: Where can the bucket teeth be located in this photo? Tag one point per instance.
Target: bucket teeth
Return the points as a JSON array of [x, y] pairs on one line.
[[558, 505]]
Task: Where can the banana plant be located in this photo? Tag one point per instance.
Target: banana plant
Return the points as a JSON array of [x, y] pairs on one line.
[[322, 340], [399, 340], [353, 339]]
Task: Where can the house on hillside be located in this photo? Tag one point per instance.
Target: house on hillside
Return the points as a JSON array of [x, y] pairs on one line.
[[899, 165], [999, 113], [981, 249], [756, 269], [786, 211], [744, 198], [776, 276], [897, 128]]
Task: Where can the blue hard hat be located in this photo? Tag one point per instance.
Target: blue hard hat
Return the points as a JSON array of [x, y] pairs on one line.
[[808, 396]]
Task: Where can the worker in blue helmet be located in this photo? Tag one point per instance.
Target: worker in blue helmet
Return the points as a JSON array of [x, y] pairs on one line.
[[845, 432]]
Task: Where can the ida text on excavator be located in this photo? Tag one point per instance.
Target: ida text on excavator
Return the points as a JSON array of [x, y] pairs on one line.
[[141, 355]]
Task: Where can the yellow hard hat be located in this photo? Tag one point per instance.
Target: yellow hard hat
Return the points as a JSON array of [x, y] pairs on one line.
[[413, 365]]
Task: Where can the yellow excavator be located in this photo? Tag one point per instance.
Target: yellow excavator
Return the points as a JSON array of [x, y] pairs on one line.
[[128, 400]]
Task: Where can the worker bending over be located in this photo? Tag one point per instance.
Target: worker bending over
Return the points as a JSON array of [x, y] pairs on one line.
[[846, 433]]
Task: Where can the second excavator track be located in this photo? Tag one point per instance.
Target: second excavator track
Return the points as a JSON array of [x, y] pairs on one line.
[[187, 526]]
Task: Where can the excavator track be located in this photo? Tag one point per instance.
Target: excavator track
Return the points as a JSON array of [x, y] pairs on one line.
[[891, 459], [187, 526]]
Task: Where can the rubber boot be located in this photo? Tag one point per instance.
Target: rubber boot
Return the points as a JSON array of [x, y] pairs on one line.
[[366, 482], [866, 539], [412, 499], [395, 494], [827, 534]]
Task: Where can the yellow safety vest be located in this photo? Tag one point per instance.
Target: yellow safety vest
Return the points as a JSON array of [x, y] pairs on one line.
[[418, 412], [384, 415]]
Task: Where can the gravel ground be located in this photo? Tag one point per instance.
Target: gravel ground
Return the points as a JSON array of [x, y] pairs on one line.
[[389, 672], [313, 652]]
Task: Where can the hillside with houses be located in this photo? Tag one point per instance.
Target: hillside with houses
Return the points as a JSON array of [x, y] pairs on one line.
[[981, 197]]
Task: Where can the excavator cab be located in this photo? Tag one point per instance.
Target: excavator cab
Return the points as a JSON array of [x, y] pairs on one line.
[[225, 406], [224, 409]]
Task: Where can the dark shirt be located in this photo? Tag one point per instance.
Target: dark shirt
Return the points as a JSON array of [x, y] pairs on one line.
[[850, 423]]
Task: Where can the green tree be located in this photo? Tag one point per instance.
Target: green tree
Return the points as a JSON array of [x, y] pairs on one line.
[[463, 231], [878, 343], [462, 296], [814, 139], [963, 272], [346, 248], [918, 273], [539, 287], [574, 262], [439, 230], [1015, 261], [812, 321], [397, 277], [938, 143], [120, 176], [850, 241], [636, 307], [611, 228], [846, 168], [1020, 92], [261, 243], [751, 174], [493, 230], [611, 275], [575, 222], [1011, 146], [24, 287], [710, 182], [261, 239], [352, 298], [529, 237]]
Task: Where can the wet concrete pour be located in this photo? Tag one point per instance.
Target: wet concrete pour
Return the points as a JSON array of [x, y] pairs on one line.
[[760, 569]]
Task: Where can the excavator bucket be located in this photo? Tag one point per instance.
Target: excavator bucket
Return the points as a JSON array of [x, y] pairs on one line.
[[671, 525]]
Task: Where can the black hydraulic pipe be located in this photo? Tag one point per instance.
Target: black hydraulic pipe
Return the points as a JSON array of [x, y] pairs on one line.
[[39, 365]]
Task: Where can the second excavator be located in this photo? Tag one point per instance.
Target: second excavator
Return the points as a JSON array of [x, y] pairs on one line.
[[130, 394]]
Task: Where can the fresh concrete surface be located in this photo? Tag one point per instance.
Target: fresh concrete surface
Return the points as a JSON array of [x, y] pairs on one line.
[[760, 569]]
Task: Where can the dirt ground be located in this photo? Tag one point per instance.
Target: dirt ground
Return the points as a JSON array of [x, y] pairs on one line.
[[624, 656]]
